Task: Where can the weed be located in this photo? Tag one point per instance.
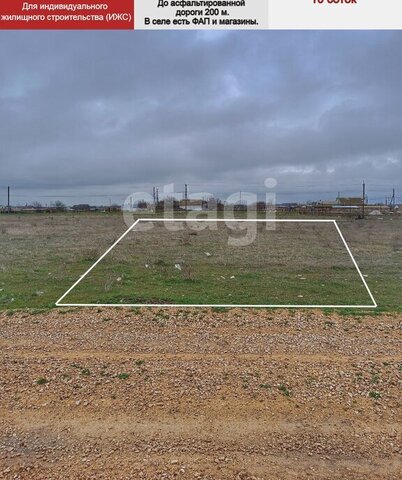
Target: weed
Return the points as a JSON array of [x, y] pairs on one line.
[[85, 372], [283, 388], [90, 255], [123, 376], [375, 378], [42, 381], [375, 395]]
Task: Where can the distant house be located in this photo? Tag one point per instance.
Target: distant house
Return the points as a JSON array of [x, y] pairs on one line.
[[113, 208], [194, 204], [287, 207], [350, 201], [82, 207]]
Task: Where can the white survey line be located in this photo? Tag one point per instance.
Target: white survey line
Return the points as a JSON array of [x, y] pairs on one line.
[[203, 305], [281, 220]]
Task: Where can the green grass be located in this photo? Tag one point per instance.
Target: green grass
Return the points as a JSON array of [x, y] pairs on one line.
[[43, 255], [284, 390], [41, 381], [213, 284], [375, 378]]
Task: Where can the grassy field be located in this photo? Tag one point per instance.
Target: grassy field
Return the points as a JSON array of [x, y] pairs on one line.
[[41, 256]]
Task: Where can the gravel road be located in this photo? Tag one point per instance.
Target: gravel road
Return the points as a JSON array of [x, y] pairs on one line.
[[184, 394]]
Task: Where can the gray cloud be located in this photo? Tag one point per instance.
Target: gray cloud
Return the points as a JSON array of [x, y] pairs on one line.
[[320, 111]]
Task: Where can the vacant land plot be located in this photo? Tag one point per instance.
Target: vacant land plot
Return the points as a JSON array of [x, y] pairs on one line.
[[42, 256], [230, 263]]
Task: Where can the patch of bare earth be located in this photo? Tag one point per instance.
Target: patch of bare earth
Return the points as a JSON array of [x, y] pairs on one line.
[[162, 394]]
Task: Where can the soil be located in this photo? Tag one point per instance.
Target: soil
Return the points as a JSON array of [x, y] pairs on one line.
[[200, 394]]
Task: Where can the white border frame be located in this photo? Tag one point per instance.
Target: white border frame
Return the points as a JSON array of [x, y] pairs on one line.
[[60, 304]]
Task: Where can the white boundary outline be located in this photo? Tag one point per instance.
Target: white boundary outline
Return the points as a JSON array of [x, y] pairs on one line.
[[59, 304]]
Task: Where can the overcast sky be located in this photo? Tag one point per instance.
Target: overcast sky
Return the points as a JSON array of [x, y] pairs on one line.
[[107, 113]]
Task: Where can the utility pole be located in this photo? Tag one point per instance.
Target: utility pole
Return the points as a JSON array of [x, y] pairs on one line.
[[185, 196], [392, 202], [154, 194], [364, 198], [8, 200], [157, 195]]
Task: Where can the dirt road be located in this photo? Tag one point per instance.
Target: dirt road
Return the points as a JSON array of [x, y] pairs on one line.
[[121, 394]]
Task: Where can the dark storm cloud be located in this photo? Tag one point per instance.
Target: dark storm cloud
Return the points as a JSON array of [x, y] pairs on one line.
[[124, 109]]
